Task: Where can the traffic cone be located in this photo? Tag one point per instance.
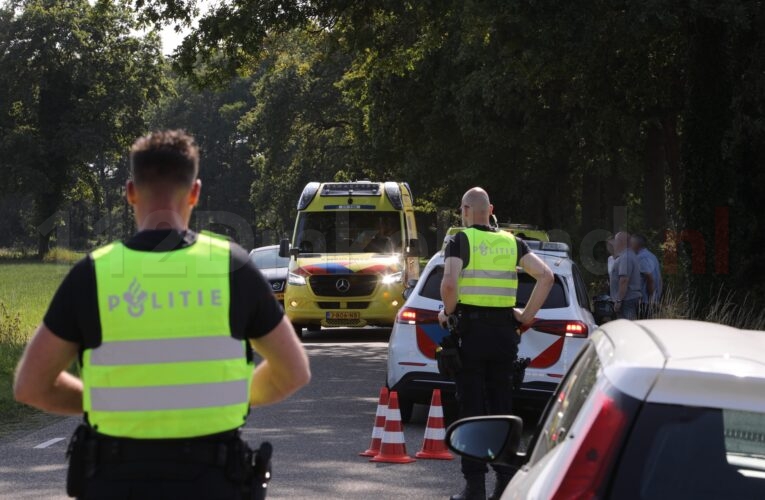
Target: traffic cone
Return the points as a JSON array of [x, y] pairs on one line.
[[379, 428], [434, 445], [393, 446]]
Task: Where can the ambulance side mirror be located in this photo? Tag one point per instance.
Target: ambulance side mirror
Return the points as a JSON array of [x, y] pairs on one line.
[[284, 248]]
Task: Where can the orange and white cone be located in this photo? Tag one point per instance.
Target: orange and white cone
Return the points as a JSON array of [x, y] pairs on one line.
[[379, 428], [393, 447], [434, 444]]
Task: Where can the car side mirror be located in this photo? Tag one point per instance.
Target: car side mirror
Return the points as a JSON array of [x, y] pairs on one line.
[[493, 439], [409, 288], [284, 248], [413, 249]]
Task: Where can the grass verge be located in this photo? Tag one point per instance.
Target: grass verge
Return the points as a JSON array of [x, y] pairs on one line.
[[12, 341], [730, 308], [25, 291]]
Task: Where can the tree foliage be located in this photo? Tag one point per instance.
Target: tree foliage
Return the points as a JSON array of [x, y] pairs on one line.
[[74, 84], [563, 110]]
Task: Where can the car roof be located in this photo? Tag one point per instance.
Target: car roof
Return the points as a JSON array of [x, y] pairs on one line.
[[686, 362], [267, 247], [557, 262]]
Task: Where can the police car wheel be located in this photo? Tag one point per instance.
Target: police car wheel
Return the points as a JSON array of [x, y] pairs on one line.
[[406, 407]]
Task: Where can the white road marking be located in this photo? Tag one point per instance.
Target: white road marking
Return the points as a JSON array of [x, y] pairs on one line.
[[48, 443]]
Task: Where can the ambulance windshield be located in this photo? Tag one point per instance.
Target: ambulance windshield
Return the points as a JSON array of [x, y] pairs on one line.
[[349, 232]]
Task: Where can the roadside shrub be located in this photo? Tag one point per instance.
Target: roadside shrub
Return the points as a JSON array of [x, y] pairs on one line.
[[730, 308], [15, 254], [11, 333], [61, 255]]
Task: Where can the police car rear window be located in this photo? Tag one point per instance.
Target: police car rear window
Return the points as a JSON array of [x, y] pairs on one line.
[[432, 287], [557, 298]]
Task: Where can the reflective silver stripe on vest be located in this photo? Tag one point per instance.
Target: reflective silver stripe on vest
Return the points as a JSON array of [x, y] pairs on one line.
[[492, 275], [487, 290], [169, 397], [145, 352]]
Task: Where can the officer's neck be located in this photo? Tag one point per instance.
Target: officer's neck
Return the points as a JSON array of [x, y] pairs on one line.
[[161, 218]]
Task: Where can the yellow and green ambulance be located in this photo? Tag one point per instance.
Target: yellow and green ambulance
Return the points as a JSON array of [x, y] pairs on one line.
[[352, 253]]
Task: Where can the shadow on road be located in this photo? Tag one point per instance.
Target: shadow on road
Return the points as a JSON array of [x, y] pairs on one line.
[[346, 335]]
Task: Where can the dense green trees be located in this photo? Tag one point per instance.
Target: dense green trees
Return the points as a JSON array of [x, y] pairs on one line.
[[564, 111], [74, 84]]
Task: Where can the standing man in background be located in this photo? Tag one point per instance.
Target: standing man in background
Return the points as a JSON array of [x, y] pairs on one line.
[[625, 278], [479, 286], [163, 326], [650, 274]]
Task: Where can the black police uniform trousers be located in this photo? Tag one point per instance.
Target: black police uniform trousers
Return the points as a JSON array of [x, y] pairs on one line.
[[199, 468], [489, 347], [160, 480]]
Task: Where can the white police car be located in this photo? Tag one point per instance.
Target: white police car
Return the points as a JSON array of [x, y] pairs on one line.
[[561, 328]]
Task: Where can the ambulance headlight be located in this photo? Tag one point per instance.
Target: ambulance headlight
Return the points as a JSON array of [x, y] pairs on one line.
[[296, 279]]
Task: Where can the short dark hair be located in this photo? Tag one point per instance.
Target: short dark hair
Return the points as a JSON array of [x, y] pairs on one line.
[[642, 241], [165, 156]]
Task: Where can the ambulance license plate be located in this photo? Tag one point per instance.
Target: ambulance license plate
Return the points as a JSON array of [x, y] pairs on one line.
[[343, 315]]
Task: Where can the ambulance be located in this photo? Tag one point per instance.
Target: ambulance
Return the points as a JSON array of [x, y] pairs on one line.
[[352, 253]]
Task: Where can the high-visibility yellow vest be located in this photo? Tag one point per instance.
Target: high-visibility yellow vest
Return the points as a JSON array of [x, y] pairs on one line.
[[490, 278], [167, 366]]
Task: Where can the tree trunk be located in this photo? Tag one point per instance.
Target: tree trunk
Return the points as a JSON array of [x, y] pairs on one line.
[[672, 155], [708, 175], [653, 179], [591, 196]]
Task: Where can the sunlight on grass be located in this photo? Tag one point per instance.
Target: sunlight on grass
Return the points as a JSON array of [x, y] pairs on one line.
[[730, 308], [25, 291], [27, 288]]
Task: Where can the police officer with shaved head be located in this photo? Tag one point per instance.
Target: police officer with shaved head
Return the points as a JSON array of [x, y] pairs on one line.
[[479, 287], [163, 326]]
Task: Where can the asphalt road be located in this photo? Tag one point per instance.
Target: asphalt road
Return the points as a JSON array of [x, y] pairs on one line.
[[316, 435]]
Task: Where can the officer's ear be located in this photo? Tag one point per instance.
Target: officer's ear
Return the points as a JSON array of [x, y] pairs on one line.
[[130, 192], [196, 189]]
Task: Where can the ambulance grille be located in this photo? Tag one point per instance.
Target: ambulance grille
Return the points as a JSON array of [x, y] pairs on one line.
[[343, 285]]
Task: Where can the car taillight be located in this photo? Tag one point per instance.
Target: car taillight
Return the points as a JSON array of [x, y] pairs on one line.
[[414, 316], [562, 327], [596, 452]]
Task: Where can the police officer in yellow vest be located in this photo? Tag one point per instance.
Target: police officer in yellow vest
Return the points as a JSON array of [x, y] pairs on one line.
[[479, 286], [164, 326]]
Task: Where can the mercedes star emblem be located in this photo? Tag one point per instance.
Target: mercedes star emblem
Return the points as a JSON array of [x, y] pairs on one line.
[[343, 285]]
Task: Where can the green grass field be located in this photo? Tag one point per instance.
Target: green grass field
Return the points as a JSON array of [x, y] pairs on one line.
[[27, 288], [25, 291]]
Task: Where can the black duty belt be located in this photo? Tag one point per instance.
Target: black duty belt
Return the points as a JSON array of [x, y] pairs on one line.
[[493, 315], [208, 452]]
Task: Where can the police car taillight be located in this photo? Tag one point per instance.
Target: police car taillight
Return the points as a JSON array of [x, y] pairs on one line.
[[564, 328], [414, 316]]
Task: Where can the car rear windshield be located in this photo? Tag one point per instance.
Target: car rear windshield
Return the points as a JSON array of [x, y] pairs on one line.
[[557, 298], [269, 259], [686, 452]]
